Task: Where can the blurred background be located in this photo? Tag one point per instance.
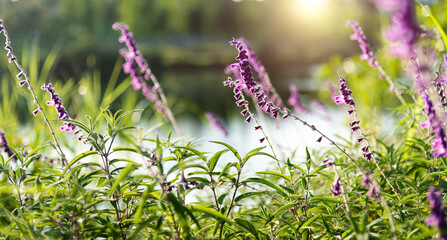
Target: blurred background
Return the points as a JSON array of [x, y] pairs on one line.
[[300, 42], [186, 42]]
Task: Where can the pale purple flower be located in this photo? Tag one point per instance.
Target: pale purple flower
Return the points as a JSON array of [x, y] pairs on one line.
[[404, 30], [437, 216], [294, 100], [216, 123], [358, 35], [137, 67], [60, 109]]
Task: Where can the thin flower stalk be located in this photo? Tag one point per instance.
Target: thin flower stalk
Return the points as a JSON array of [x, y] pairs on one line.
[[346, 98], [24, 80], [137, 67], [368, 55]]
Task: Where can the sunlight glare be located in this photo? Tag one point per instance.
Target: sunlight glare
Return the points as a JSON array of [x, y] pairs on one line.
[[311, 5]]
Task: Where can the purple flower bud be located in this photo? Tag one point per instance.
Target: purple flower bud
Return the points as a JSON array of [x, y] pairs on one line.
[[35, 112], [328, 162], [261, 140], [319, 139], [336, 187], [19, 75], [248, 120], [258, 127], [21, 83]]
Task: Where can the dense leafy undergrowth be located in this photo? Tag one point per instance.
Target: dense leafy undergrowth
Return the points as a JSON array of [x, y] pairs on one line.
[[110, 176]]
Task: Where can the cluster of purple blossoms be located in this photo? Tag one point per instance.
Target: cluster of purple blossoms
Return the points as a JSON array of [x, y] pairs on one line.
[[336, 187], [137, 67], [60, 109], [216, 123], [437, 216], [5, 148], [346, 98], [440, 141], [248, 83], [266, 85], [404, 30], [358, 35], [294, 100]]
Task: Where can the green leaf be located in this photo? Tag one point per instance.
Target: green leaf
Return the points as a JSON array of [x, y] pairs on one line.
[[123, 174], [212, 212], [247, 194], [125, 114], [113, 161], [308, 159], [265, 182], [247, 226], [249, 155], [199, 154], [77, 158], [435, 21], [276, 174], [222, 198], [215, 158], [236, 154], [280, 210]]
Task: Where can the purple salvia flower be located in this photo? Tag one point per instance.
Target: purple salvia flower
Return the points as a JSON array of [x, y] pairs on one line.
[[358, 35], [216, 123], [266, 85], [336, 187], [137, 67], [60, 109], [437, 216], [4, 145], [345, 96], [404, 30], [294, 100], [440, 142], [366, 180], [248, 84]]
